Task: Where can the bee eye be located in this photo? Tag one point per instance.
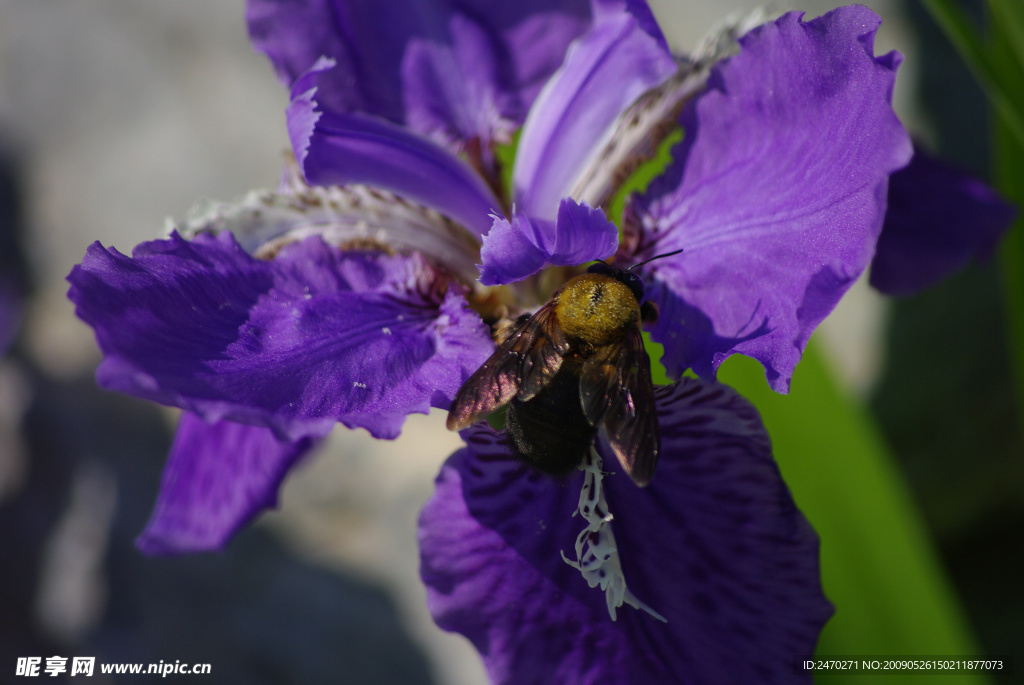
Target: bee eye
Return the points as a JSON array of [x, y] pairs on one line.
[[599, 268], [635, 284]]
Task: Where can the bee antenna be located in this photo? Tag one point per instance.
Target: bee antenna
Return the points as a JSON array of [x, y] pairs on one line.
[[667, 254]]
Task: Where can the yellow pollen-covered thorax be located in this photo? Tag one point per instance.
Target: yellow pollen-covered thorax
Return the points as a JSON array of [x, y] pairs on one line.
[[596, 308]]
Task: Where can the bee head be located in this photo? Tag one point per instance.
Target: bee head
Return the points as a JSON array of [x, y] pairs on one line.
[[628, 278]]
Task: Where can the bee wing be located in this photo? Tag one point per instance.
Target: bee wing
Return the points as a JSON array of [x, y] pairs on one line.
[[617, 394], [523, 364], [541, 355]]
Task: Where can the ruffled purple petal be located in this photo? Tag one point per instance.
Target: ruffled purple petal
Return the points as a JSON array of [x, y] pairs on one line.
[[453, 89], [777, 193], [315, 336], [938, 219], [605, 71], [512, 249], [338, 149], [519, 248], [451, 69], [714, 544], [218, 478]]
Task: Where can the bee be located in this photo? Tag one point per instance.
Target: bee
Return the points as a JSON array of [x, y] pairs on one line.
[[576, 366]]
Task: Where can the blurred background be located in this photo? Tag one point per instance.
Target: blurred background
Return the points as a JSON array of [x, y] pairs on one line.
[[115, 114]]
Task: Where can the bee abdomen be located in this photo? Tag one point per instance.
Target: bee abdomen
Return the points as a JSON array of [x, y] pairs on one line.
[[550, 432]]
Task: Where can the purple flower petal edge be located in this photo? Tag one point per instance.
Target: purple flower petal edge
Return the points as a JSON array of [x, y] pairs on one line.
[[939, 218], [776, 195], [218, 478], [714, 544], [315, 336], [513, 250], [450, 70], [338, 149]]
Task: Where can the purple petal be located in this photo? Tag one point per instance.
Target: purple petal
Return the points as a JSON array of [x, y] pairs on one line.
[[454, 70], [714, 544], [938, 219], [338, 149], [777, 193], [641, 129], [315, 336], [519, 248], [452, 89], [512, 249], [605, 71], [218, 478]]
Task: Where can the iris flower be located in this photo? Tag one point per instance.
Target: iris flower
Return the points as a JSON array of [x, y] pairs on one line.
[[353, 294]]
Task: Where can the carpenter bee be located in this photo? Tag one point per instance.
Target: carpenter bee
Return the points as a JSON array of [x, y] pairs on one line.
[[576, 366]]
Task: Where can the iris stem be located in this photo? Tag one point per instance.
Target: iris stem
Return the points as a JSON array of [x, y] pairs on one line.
[[1008, 161], [996, 58], [967, 40]]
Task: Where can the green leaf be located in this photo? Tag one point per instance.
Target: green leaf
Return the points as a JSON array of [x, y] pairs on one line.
[[1008, 162], [506, 156], [1008, 18], [1010, 181], [965, 38], [879, 567]]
